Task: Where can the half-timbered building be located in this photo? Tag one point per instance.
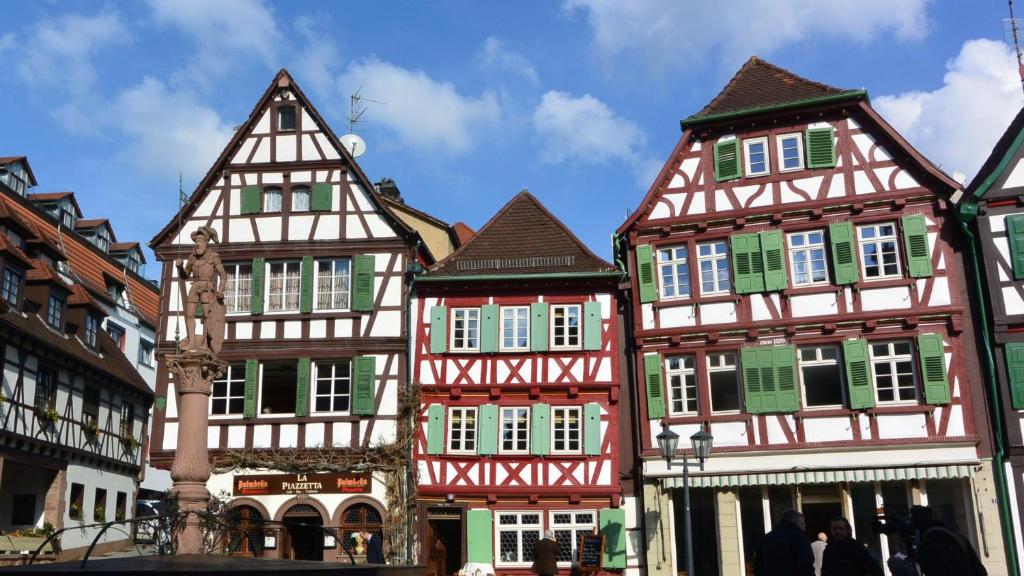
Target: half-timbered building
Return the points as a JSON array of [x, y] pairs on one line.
[[798, 293], [993, 223], [516, 360], [305, 427], [73, 407]]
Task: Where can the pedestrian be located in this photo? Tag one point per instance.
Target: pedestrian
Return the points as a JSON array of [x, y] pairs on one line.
[[374, 548], [845, 556], [545, 555], [785, 551], [818, 548], [942, 551]]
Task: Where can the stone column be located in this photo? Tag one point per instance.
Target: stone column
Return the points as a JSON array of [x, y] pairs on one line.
[[194, 372]]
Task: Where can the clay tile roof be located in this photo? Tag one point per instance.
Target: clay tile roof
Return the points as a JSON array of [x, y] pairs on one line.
[[522, 238], [49, 196], [463, 232], [760, 85], [91, 223], [123, 246]]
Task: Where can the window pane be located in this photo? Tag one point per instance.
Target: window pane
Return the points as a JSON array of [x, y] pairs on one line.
[[724, 391], [823, 385]]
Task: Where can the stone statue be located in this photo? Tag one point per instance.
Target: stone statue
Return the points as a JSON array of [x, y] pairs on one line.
[[204, 268]]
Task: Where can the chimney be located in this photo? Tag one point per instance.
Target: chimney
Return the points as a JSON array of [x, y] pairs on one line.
[[387, 187]]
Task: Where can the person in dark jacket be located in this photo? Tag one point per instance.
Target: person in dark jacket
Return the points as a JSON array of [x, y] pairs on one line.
[[845, 556], [545, 555], [374, 548], [942, 551], [785, 551]]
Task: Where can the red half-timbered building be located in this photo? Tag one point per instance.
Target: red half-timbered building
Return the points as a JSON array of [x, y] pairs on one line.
[[797, 292], [516, 357]]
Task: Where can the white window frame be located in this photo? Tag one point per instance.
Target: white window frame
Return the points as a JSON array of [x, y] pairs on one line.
[[575, 526], [146, 351], [877, 241], [807, 248], [820, 361], [229, 378], [567, 410], [289, 265], [717, 262], [515, 430], [893, 359], [234, 301], [747, 170], [267, 193], [722, 366], [454, 344], [515, 311], [682, 372], [331, 378], [569, 344], [465, 446], [520, 528], [333, 291], [779, 140], [674, 263]]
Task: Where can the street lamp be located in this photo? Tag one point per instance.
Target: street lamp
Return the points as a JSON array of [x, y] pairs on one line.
[[701, 442]]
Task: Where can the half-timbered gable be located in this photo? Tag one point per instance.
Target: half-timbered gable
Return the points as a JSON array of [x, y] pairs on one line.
[[797, 292], [315, 303], [517, 361], [993, 217]]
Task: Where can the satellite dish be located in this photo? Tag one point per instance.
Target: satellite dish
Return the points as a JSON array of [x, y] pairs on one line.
[[959, 177], [354, 144]]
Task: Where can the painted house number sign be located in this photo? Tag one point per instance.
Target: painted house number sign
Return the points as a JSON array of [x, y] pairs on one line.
[[264, 484]]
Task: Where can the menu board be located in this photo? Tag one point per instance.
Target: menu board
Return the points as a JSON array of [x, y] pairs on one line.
[[591, 552]]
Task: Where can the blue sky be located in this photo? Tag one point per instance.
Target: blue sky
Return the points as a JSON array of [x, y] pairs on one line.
[[578, 100]]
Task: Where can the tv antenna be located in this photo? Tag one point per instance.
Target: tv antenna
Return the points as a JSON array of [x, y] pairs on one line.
[[352, 142], [1012, 31]]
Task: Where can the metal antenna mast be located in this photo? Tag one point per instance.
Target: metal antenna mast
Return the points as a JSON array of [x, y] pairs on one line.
[[1013, 29], [356, 109]]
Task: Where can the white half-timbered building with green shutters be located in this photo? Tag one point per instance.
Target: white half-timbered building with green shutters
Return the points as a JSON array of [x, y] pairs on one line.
[[797, 293], [315, 301]]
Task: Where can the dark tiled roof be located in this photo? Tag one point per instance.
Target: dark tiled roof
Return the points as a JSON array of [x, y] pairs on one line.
[[91, 223], [1000, 150], [123, 246], [522, 238], [463, 232], [759, 85]]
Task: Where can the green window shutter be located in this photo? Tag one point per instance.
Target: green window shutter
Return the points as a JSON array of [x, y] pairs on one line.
[[613, 527], [645, 273], [302, 387], [252, 376], [844, 260], [772, 251], [592, 429], [362, 283], [321, 200], [752, 397], [821, 147], [747, 263], [256, 302], [592, 325], [655, 388], [540, 429], [1015, 237], [489, 328], [479, 545], [251, 200], [306, 285], [933, 368], [487, 440], [767, 375], [438, 329], [435, 429], [788, 393], [858, 374], [364, 393], [915, 237], [1015, 370], [727, 160], [539, 326]]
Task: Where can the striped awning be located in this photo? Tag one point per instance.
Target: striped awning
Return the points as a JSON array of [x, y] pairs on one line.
[[824, 476]]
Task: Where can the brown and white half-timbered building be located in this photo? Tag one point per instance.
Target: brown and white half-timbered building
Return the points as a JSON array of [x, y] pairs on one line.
[[797, 292], [516, 357], [305, 426]]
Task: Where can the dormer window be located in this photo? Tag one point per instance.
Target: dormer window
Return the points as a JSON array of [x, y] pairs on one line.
[[116, 292], [92, 325], [14, 237], [11, 285], [285, 118], [55, 311]]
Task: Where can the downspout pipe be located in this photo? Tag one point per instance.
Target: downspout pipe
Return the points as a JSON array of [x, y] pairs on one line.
[[996, 403]]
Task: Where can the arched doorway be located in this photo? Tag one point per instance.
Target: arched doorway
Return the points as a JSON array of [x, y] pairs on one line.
[[246, 536], [356, 518], [303, 525]]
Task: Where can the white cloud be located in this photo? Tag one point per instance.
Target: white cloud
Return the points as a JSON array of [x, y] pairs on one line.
[[422, 112], [584, 129], [318, 57], [58, 52], [957, 124], [496, 56], [672, 33]]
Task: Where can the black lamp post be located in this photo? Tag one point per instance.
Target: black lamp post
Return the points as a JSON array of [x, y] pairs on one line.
[[701, 442]]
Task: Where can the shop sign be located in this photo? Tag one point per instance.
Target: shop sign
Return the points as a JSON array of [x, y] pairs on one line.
[[266, 484]]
